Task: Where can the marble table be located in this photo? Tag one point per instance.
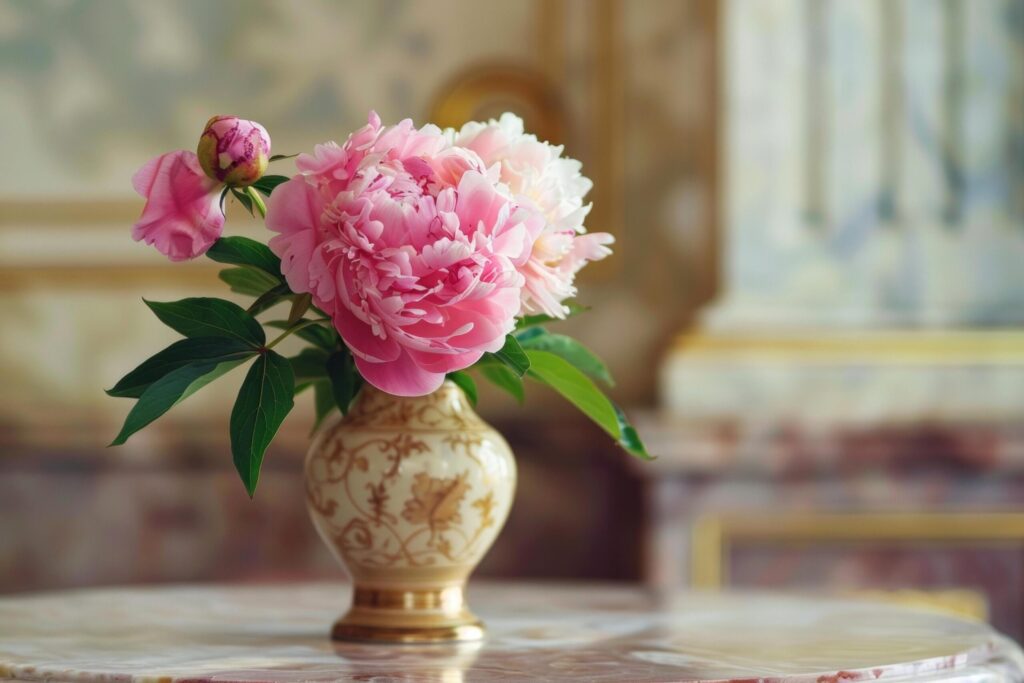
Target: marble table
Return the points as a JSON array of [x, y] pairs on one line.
[[536, 633]]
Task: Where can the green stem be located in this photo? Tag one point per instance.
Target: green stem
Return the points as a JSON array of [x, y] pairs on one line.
[[296, 328], [254, 195]]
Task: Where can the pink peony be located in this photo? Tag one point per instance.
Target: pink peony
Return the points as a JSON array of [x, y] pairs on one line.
[[234, 151], [411, 246], [182, 217], [536, 172]]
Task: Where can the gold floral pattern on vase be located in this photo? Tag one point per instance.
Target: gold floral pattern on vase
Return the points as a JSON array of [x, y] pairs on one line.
[[409, 493]]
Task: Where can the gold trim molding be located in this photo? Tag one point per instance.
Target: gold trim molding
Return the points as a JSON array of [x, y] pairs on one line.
[[112, 276], [68, 213]]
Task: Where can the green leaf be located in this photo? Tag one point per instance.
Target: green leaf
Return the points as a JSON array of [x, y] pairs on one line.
[[266, 397], [541, 319], [279, 157], [512, 355], [466, 383], [267, 183], [310, 365], [248, 281], [341, 370], [257, 200], [323, 336], [300, 305], [242, 251], [568, 348], [323, 399], [177, 355], [243, 199], [629, 439], [208, 317], [581, 391], [168, 391], [503, 378], [269, 299]]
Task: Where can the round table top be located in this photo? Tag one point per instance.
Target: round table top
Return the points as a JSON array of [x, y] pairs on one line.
[[538, 632]]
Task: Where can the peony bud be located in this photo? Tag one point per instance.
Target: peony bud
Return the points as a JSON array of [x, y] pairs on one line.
[[234, 151]]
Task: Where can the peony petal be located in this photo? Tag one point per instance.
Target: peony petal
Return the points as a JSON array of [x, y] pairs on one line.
[[445, 362], [294, 210], [473, 325], [401, 376], [182, 217], [296, 252], [479, 203], [359, 337], [587, 248], [143, 179], [514, 243]]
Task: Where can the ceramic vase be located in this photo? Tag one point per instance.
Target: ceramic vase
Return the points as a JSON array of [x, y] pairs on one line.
[[409, 494]]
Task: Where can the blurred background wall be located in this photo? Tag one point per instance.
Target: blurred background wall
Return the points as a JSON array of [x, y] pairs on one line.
[[812, 306]]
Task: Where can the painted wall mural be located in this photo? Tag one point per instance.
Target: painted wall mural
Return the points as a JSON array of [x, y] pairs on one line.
[[80, 108]]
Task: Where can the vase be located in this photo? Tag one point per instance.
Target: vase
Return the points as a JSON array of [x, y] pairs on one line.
[[409, 494]]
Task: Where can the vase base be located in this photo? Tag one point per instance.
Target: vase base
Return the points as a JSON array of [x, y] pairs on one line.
[[434, 614], [363, 633]]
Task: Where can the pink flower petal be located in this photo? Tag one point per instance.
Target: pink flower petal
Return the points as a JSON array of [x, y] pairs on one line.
[[293, 210], [411, 245], [479, 203], [444, 362], [359, 337], [143, 179], [552, 186], [401, 376], [182, 217]]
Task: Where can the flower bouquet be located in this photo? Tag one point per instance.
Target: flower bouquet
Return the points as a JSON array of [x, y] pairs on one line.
[[407, 260]]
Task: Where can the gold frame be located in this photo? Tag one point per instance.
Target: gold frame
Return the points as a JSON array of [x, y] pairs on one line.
[[711, 535], [461, 97]]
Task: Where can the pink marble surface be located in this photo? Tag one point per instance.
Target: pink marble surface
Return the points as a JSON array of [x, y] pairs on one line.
[[536, 633]]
